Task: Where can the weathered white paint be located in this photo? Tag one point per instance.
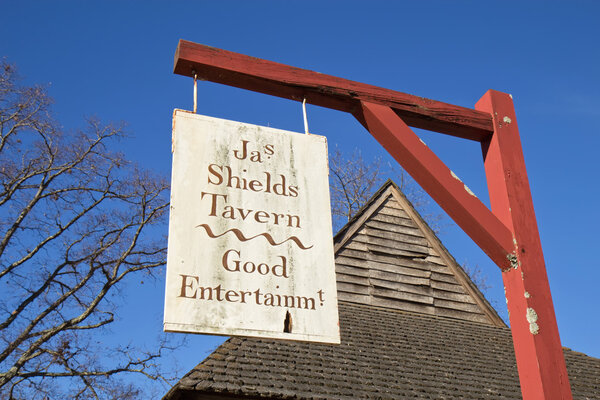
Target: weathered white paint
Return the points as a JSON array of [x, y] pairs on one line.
[[281, 212]]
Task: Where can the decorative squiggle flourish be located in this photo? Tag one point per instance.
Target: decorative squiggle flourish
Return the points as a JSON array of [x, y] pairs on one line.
[[240, 235]]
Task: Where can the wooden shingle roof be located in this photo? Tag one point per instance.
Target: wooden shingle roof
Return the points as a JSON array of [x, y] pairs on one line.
[[384, 354], [412, 324]]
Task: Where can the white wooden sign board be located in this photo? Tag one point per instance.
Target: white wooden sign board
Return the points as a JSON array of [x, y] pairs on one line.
[[250, 239]]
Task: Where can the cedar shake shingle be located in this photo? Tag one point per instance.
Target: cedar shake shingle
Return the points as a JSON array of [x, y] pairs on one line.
[[384, 354]]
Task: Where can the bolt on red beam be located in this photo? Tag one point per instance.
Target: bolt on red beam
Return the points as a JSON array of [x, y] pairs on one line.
[[540, 360]]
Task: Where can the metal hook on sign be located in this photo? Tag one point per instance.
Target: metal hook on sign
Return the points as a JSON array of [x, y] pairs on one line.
[[304, 114], [195, 91]]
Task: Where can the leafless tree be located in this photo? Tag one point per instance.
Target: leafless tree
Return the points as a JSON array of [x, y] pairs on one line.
[[353, 181], [478, 277], [76, 220]]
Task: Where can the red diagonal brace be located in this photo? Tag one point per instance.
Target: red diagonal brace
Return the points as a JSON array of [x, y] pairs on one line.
[[540, 359], [435, 177]]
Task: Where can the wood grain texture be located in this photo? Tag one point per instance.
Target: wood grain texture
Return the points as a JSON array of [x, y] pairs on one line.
[[448, 287], [351, 278], [387, 227], [408, 287], [401, 295], [392, 244], [396, 269], [364, 240], [402, 305], [238, 70], [396, 236], [399, 277], [342, 270], [401, 221], [457, 314]]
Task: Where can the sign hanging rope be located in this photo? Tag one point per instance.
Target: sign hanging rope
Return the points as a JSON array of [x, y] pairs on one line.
[[195, 92], [304, 114]]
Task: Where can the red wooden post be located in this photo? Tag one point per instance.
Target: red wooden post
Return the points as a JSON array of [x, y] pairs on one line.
[[540, 360]]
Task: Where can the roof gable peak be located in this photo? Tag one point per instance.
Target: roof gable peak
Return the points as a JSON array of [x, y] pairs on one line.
[[388, 256]]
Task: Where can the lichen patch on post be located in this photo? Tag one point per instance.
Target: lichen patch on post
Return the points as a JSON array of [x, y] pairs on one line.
[[469, 191], [514, 262], [534, 328], [455, 176], [465, 186], [532, 318], [507, 120], [527, 295]]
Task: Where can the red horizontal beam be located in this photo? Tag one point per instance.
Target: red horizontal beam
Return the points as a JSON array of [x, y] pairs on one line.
[[494, 238], [233, 69]]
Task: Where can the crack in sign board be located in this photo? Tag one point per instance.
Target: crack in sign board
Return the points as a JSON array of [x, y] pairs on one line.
[[250, 238]]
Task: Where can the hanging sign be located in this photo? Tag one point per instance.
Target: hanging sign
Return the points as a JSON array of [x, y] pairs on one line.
[[250, 239]]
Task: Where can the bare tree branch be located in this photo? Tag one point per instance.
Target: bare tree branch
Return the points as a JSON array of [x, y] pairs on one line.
[[76, 220], [353, 181]]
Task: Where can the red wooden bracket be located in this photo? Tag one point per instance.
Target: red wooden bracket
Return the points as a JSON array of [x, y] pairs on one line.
[[540, 360], [439, 181]]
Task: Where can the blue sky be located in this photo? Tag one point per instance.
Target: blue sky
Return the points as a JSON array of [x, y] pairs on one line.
[[114, 60]]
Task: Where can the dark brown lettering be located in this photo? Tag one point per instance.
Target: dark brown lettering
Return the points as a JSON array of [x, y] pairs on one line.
[[289, 301], [219, 290], [257, 293], [203, 290], [255, 157], [291, 218], [212, 171], [279, 188], [241, 155], [230, 294], [255, 186], [260, 215], [307, 300], [243, 295], [185, 285], [269, 299], [213, 204], [225, 261]]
